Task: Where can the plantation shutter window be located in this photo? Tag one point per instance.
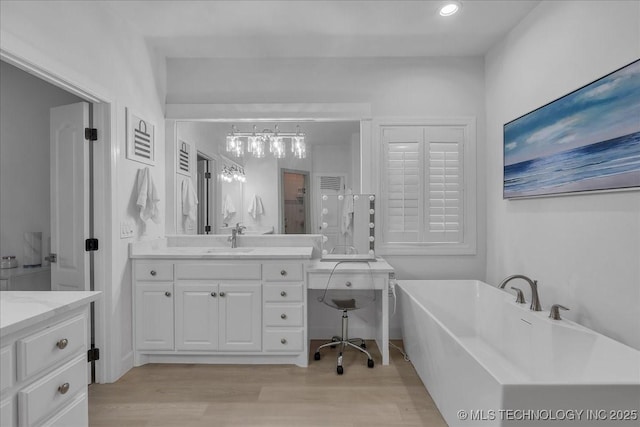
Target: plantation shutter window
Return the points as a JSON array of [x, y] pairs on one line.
[[423, 188]]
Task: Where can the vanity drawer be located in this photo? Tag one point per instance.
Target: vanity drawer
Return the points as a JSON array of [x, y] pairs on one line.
[[283, 292], [283, 315], [75, 414], [285, 340], [7, 367], [8, 412], [288, 272], [53, 391], [154, 271], [46, 348], [342, 281], [222, 271]]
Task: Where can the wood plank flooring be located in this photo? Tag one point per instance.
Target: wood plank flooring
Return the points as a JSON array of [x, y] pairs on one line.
[[268, 395]]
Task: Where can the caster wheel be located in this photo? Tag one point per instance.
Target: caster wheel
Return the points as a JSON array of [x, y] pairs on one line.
[[316, 356], [370, 363], [340, 370], [363, 345]]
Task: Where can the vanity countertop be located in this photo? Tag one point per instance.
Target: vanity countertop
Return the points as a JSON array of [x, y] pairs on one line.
[[21, 309], [214, 253], [377, 266]]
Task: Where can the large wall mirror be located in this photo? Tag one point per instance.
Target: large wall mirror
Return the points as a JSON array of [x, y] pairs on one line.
[[266, 192]]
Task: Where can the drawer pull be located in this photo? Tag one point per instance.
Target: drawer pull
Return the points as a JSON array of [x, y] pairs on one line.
[[64, 388], [167, 294], [283, 272], [62, 344], [222, 294], [213, 294], [283, 294], [348, 284], [283, 340], [283, 316], [153, 272]]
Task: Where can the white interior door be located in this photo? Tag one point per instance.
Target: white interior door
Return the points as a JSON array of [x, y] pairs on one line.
[[69, 197]]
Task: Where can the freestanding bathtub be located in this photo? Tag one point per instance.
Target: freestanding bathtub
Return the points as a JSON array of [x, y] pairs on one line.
[[488, 361]]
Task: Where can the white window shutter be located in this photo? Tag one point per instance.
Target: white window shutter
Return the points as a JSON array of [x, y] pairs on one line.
[[402, 194], [444, 189]]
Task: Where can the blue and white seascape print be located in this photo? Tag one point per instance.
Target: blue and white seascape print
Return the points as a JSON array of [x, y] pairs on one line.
[[587, 140]]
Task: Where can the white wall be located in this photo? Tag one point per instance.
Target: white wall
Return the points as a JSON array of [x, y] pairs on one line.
[[87, 45], [584, 249], [394, 87], [24, 157]]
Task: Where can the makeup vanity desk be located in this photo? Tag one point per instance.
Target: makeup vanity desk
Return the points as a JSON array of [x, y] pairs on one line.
[[318, 273]]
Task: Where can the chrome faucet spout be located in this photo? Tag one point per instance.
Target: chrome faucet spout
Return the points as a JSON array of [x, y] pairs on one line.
[[535, 298], [233, 238]]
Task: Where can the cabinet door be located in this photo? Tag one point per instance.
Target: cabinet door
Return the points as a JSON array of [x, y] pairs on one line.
[[154, 316], [240, 317], [196, 316]]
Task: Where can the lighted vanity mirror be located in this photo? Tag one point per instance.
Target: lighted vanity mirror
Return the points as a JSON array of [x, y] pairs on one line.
[[277, 195], [348, 225]]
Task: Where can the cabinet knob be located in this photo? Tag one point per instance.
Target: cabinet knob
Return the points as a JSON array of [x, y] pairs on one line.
[[64, 388], [348, 284], [283, 294], [283, 316], [153, 272], [283, 340], [283, 272], [213, 294], [62, 344], [222, 294], [167, 294]]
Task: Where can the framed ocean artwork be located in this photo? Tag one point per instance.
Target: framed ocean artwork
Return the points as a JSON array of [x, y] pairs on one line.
[[587, 140]]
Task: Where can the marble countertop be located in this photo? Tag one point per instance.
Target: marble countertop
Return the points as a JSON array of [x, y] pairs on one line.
[[21, 309], [213, 253]]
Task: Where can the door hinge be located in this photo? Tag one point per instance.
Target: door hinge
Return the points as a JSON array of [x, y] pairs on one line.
[[91, 245], [52, 258], [207, 175], [93, 354], [207, 228], [91, 134]]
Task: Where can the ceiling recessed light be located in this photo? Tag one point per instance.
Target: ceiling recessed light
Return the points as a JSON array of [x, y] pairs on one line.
[[450, 8]]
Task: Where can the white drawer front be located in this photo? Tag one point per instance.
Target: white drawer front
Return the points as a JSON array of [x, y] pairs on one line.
[[282, 292], [51, 345], [223, 271], [283, 315], [283, 340], [154, 271], [76, 414], [346, 281], [7, 368], [48, 393], [8, 413], [282, 272]]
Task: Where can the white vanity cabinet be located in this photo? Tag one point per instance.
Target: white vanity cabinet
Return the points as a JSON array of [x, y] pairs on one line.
[[219, 311], [43, 358]]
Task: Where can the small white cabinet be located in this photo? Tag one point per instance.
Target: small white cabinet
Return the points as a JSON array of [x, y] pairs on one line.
[[154, 316], [223, 317]]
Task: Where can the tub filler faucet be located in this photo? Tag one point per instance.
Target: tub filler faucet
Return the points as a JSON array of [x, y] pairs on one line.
[[535, 299]]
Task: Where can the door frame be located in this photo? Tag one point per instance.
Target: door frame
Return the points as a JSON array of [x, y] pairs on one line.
[[307, 198], [104, 174]]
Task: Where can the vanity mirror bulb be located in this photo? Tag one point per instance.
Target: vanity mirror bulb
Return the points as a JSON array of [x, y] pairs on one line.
[[356, 197], [372, 197], [371, 238], [325, 225], [371, 252], [371, 211], [340, 197], [325, 239], [325, 211], [371, 225], [325, 197], [325, 252]]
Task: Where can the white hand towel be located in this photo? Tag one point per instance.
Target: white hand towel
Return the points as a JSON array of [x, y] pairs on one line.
[[189, 199], [148, 198], [256, 208], [228, 208]]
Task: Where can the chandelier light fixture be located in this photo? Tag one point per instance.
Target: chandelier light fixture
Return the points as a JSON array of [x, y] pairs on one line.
[[233, 173], [256, 142]]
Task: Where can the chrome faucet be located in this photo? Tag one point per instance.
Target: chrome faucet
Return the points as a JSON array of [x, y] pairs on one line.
[[535, 299], [234, 235]]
